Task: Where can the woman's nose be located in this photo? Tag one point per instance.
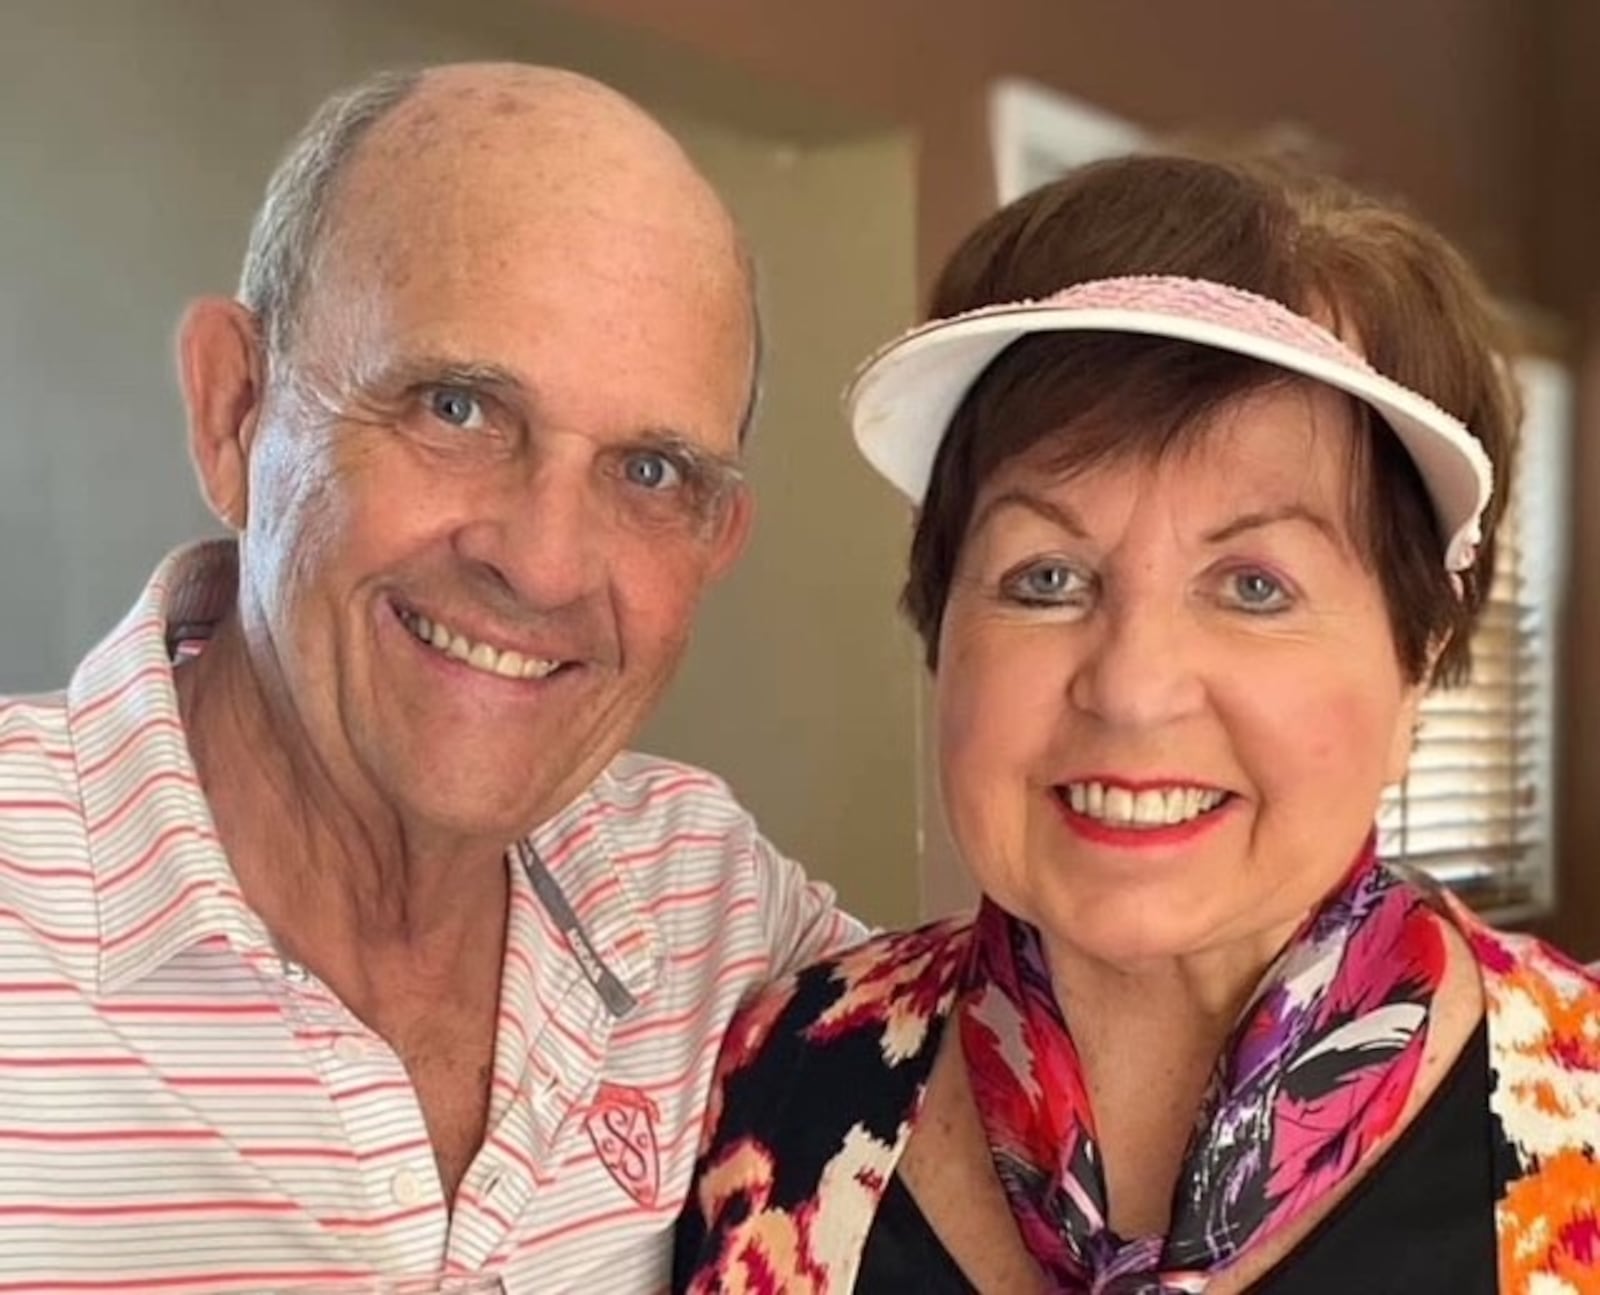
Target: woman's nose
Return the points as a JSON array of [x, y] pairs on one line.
[[1140, 671]]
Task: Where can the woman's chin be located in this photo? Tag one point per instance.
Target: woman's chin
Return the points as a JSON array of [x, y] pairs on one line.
[[1132, 926]]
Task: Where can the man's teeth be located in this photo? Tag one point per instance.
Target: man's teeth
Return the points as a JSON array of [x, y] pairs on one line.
[[1152, 807], [480, 656]]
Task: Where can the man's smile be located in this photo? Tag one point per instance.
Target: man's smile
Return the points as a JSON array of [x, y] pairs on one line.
[[506, 662]]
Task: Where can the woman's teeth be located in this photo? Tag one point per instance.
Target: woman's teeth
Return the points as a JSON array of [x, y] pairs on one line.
[[1151, 807], [479, 656]]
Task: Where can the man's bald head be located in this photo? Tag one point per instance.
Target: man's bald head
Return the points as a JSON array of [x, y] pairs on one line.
[[290, 220], [384, 166]]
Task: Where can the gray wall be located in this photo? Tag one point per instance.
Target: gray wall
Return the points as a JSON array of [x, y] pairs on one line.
[[134, 140]]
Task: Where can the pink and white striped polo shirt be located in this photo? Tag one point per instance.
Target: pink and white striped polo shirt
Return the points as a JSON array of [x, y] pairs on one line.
[[180, 1110]]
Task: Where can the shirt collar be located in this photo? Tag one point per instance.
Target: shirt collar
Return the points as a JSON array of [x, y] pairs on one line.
[[578, 850], [618, 941], [161, 880]]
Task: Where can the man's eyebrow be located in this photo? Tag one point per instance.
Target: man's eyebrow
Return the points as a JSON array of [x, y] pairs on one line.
[[1056, 513], [1275, 517], [412, 371], [446, 371]]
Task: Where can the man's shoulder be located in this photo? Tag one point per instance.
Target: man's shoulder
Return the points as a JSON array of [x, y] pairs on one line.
[[647, 794], [44, 870], [633, 777], [37, 768], [660, 825], [41, 716]]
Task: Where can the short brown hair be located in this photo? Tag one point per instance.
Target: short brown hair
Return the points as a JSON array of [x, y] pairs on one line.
[[1319, 246]]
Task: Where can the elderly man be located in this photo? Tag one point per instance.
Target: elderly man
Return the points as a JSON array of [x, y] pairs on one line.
[[336, 936]]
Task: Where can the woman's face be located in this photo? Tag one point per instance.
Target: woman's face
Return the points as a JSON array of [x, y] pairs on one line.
[[1168, 693]]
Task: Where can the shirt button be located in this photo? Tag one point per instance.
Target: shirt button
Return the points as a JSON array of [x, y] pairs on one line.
[[348, 1048], [406, 1188]]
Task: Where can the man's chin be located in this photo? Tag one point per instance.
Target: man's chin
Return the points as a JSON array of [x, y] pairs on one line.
[[496, 776], [483, 807]]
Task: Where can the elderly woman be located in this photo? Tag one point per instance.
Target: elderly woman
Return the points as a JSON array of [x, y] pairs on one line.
[[1207, 458]]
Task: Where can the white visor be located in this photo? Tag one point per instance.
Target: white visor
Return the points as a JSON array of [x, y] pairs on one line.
[[902, 399]]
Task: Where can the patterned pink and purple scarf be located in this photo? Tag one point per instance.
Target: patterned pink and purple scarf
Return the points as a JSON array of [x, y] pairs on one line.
[[1314, 1074]]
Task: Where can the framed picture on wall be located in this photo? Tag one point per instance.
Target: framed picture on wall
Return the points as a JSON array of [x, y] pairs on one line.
[[1036, 134]]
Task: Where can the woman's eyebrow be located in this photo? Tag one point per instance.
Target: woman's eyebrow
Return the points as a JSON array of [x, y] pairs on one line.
[[1056, 513], [1274, 517]]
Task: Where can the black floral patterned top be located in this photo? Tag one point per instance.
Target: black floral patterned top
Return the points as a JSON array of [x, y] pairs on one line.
[[821, 1081]]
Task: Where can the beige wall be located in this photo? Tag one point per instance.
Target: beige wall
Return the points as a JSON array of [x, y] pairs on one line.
[[134, 142], [800, 686]]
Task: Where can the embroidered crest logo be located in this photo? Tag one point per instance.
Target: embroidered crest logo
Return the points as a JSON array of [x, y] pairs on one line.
[[622, 1126]]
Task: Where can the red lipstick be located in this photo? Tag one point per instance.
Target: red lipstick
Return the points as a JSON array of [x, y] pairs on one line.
[[1139, 838]]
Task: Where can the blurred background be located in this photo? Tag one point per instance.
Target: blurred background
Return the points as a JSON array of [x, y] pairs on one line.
[[856, 140]]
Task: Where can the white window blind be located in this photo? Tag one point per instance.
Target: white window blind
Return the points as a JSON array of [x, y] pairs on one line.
[[1477, 809]]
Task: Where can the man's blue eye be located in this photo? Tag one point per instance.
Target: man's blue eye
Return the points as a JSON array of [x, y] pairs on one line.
[[652, 470], [457, 407]]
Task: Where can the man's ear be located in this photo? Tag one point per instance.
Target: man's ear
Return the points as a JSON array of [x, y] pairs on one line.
[[733, 530], [222, 369]]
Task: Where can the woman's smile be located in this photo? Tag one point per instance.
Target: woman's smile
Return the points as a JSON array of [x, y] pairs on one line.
[[1140, 815]]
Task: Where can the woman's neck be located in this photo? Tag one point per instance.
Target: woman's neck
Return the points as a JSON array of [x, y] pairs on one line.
[[1148, 1036], [1200, 993]]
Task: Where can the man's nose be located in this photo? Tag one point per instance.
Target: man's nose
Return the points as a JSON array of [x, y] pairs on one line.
[[541, 533], [1141, 669]]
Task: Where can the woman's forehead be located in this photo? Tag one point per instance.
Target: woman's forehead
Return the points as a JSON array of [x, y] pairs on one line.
[[1294, 444]]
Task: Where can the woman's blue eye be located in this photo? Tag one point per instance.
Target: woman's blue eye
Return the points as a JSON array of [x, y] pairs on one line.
[[1045, 584], [652, 470], [458, 407], [1257, 591]]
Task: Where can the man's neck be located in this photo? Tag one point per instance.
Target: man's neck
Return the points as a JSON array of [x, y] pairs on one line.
[[345, 886]]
